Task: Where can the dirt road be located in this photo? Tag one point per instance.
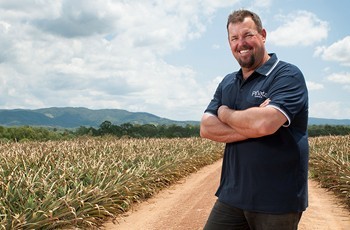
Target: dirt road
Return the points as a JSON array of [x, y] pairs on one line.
[[187, 204]]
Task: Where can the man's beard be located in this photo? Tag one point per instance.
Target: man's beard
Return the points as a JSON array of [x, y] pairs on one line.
[[247, 64]]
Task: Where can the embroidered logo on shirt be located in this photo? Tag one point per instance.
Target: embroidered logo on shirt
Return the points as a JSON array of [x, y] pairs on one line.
[[259, 94]]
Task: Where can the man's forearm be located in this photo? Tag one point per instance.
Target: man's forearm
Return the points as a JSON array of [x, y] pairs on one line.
[[239, 121], [212, 128], [252, 122]]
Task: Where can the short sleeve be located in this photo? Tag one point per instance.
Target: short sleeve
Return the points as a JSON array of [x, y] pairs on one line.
[[215, 102], [288, 92]]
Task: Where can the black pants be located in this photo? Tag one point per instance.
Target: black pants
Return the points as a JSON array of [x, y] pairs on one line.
[[224, 217]]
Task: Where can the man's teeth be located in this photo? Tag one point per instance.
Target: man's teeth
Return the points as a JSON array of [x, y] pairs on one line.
[[243, 51]]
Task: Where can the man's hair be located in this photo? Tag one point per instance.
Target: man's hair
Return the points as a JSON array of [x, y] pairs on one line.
[[239, 15]]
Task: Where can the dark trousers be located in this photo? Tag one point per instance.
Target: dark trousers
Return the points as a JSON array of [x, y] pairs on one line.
[[224, 217]]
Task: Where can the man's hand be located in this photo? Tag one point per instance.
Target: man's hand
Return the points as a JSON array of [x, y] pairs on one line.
[[214, 129], [224, 112], [265, 103]]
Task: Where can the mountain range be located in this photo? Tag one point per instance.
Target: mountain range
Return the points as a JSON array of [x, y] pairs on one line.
[[74, 117]]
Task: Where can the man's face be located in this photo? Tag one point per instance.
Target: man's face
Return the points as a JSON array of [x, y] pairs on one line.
[[246, 44]]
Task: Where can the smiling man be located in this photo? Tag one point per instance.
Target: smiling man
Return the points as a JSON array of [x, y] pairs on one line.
[[261, 113]]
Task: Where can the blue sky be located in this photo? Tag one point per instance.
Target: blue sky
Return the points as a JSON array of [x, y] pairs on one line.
[[162, 57]]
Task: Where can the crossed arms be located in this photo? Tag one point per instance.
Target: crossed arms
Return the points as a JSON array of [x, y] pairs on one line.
[[237, 125]]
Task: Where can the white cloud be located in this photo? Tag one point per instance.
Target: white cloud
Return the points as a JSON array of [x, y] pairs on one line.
[[338, 51], [262, 3], [300, 28], [102, 54], [215, 46], [342, 78], [330, 109], [339, 109], [314, 85]]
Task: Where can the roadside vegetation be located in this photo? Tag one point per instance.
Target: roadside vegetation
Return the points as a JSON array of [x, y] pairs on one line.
[[330, 164], [61, 179], [81, 182]]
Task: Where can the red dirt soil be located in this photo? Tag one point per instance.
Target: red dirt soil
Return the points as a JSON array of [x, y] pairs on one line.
[[187, 205]]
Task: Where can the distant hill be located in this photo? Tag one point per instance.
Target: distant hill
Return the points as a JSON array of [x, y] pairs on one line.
[[324, 121], [72, 117]]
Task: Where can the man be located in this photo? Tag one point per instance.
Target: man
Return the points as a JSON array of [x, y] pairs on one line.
[[261, 113]]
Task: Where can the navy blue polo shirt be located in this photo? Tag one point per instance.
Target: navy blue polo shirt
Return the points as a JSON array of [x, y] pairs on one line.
[[267, 174]]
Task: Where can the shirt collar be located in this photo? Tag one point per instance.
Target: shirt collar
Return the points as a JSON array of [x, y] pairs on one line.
[[267, 68]]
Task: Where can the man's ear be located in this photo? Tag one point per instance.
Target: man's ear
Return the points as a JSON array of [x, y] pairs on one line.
[[263, 34]]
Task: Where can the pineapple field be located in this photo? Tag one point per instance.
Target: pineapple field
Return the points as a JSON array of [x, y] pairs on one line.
[[330, 164], [82, 182], [57, 184]]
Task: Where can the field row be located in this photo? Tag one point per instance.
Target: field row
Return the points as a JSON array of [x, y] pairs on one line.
[[55, 184], [330, 164], [81, 182]]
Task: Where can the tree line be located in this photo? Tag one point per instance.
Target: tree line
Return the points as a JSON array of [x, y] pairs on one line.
[[140, 131], [326, 130], [24, 133]]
